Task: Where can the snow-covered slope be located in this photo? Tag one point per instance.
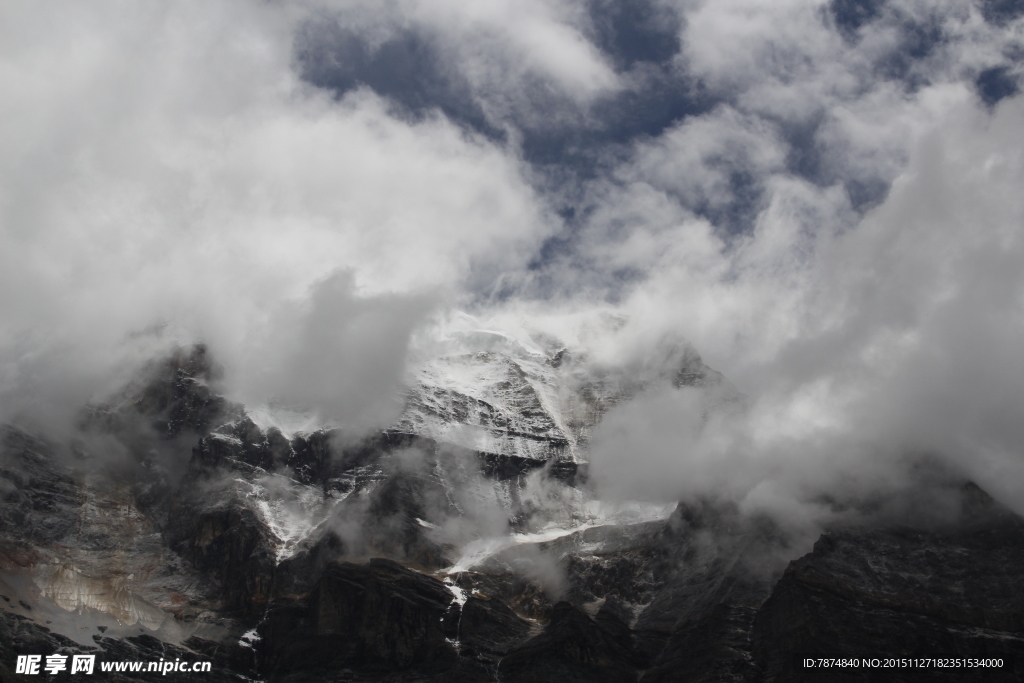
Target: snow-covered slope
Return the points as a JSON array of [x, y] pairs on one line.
[[508, 393], [491, 402]]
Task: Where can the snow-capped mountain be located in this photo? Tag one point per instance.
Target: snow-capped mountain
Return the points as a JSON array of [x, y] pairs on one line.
[[526, 396], [462, 543]]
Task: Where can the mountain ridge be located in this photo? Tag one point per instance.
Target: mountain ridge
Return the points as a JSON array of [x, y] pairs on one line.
[[399, 556]]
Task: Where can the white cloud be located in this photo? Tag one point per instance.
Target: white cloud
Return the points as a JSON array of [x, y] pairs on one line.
[[696, 158], [524, 62], [862, 350], [163, 164], [536, 35]]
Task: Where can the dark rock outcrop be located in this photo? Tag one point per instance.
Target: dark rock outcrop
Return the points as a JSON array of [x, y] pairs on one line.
[[38, 494], [178, 396], [230, 544], [379, 617], [574, 647], [697, 625], [901, 592], [489, 626]]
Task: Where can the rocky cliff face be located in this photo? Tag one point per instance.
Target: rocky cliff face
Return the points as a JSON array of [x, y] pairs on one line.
[[952, 590], [462, 544], [534, 399]]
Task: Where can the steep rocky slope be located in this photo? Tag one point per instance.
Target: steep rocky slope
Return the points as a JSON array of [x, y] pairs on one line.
[[462, 544]]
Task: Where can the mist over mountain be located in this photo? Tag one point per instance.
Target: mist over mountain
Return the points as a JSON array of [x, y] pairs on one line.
[[537, 340]]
